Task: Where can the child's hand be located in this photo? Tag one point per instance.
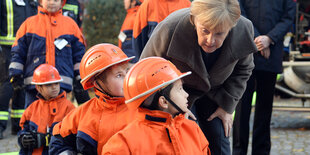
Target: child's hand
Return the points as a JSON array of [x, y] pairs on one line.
[[27, 140]]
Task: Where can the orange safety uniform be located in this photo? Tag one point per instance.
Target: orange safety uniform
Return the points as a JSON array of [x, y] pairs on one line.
[[158, 133], [36, 43], [125, 36], [148, 16], [42, 115], [91, 125]]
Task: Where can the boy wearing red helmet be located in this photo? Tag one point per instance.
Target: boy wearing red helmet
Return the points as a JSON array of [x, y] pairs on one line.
[[154, 86], [89, 127], [40, 117], [51, 38]]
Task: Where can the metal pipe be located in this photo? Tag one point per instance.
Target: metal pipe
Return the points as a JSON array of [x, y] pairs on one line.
[[296, 63], [293, 94]]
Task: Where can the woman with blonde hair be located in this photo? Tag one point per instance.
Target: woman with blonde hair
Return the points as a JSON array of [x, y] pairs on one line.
[[213, 41]]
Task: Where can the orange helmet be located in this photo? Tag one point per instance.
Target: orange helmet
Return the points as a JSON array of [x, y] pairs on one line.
[[148, 76], [97, 59], [45, 74]]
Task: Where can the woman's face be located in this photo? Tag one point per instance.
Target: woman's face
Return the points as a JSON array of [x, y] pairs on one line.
[[210, 40]]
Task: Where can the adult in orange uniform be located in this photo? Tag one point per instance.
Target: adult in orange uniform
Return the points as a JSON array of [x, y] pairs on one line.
[[125, 35], [150, 13], [39, 118], [154, 86], [89, 127]]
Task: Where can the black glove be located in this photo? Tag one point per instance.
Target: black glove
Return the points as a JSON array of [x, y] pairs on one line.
[[17, 82], [27, 140], [32, 140]]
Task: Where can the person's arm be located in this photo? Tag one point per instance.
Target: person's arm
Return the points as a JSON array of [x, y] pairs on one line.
[[67, 138], [228, 95], [19, 52], [158, 44], [78, 50], [64, 134], [281, 28], [142, 30]]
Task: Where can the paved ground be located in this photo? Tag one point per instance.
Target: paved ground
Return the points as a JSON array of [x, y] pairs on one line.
[[290, 131]]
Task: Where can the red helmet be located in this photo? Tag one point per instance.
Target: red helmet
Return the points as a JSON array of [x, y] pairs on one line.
[[146, 77], [97, 59], [45, 74]]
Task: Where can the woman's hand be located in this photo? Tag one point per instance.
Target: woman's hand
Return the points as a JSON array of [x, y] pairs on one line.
[[226, 118]]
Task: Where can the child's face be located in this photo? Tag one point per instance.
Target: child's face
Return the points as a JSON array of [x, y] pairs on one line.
[[49, 91], [51, 6], [113, 79], [179, 96]]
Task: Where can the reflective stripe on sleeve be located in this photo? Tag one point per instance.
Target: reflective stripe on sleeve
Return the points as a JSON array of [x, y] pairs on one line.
[[16, 65]]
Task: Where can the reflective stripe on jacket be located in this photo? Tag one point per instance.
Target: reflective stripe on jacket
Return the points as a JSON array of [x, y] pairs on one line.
[[159, 133], [149, 15], [42, 115], [35, 45], [72, 9], [91, 125], [12, 15]]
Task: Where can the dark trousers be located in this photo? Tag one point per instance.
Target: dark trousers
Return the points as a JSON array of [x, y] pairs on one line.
[[213, 130], [6, 92], [264, 84]]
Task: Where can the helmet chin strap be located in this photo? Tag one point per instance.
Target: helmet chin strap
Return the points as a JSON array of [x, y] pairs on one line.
[[177, 107], [101, 89], [173, 104]]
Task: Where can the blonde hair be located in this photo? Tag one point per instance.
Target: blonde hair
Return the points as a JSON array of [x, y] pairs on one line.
[[215, 14]]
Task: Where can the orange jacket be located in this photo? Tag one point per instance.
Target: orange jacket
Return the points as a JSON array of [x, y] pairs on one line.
[[159, 133], [125, 37], [35, 45], [150, 13], [91, 125], [42, 115]]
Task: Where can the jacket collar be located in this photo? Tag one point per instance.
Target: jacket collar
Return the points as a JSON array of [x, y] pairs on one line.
[[108, 101], [161, 118], [41, 10]]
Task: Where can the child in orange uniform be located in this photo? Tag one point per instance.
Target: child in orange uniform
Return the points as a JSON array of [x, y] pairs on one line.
[[154, 86], [89, 127], [40, 117], [51, 38]]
